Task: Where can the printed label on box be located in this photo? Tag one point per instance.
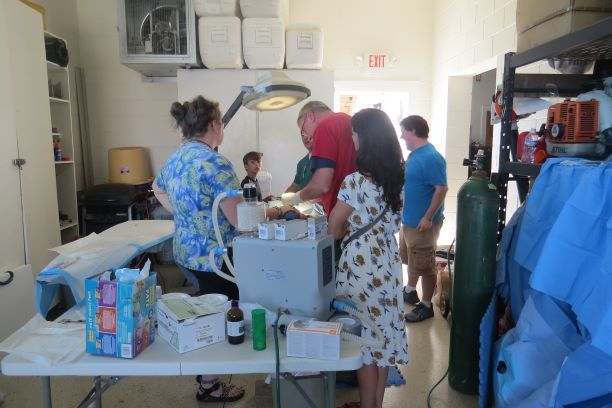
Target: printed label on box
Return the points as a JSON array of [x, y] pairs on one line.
[[107, 320], [108, 294]]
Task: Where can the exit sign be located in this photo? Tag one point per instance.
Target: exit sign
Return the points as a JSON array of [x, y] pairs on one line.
[[377, 60]]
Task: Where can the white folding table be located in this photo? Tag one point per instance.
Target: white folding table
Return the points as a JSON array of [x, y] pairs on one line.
[[161, 359]]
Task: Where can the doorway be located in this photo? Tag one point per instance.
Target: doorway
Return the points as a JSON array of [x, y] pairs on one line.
[[392, 97]]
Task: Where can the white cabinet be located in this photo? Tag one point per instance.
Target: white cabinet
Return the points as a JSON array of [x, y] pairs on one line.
[[61, 136], [276, 134], [29, 221]]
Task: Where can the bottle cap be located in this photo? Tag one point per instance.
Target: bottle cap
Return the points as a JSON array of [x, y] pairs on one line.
[[234, 303], [249, 192]]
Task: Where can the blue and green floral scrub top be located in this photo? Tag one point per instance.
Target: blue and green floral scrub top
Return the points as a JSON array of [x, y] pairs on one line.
[[193, 176]]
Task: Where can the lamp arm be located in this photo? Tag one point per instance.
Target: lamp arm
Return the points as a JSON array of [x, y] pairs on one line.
[[231, 111]]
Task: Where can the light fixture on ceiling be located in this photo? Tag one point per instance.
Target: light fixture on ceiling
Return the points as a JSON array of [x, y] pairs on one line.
[[273, 91]]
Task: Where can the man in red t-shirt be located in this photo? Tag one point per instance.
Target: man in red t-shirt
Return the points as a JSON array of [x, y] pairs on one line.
[[332, 157]]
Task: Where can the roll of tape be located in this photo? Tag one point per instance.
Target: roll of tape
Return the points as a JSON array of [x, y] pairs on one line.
[[350, 324]]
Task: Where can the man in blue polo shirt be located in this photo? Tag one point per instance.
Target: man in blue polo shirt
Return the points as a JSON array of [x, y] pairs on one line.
[[424, 190]]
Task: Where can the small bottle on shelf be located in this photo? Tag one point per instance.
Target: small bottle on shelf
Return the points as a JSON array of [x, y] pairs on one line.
[[235, 324], [529, 147], [57, 147]]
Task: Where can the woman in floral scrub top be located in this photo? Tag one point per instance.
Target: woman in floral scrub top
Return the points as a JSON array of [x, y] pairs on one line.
[[369, 269], [187, 186]]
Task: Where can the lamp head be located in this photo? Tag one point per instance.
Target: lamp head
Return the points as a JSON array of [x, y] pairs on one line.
[[274, 91]]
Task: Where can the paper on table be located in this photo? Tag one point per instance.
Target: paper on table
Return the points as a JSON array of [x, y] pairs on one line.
[[46, 343], [74, 246]]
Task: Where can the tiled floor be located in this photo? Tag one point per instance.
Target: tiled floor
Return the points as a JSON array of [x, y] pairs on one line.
[[428, 347]]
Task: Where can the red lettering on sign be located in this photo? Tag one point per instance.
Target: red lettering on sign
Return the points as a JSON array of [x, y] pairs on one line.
[[376, 60]]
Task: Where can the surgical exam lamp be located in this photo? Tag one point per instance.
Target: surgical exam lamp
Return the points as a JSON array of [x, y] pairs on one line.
[[273, 91]]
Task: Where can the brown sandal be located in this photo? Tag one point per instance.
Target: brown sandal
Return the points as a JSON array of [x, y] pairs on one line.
[[204, 394]]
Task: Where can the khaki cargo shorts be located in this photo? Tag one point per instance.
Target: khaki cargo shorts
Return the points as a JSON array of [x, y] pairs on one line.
[[418, 249]]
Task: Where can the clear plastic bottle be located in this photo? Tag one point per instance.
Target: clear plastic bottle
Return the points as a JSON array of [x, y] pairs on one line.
[[529, 147], [235, 324], [250, 212]]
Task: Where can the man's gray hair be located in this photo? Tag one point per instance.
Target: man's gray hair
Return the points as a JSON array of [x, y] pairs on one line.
[[313, 106]]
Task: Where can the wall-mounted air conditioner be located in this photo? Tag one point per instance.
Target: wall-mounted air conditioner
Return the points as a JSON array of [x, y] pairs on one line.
[[157, 36]]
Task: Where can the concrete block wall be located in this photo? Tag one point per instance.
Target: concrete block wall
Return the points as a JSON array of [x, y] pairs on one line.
[[470, 37]]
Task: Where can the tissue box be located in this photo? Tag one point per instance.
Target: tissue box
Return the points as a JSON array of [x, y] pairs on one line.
[[119, 317], [187, 327], [314, 339]]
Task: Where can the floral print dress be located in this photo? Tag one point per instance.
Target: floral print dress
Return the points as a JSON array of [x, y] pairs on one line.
[[193, 176], [370, 272]]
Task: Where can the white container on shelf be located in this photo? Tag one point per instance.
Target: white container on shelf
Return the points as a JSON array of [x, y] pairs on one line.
[[220, 42], [304, 46], [207, 8], [260, 8], [263, 43]]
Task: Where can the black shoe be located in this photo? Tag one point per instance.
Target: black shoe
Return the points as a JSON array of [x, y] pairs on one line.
[[412, 298], [419, 313]]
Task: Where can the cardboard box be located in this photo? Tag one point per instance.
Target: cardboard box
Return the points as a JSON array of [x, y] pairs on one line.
[[119, 317], [538, 22], [317, 227], [292, 229], [187, 326], [314, 339], [266, 230]]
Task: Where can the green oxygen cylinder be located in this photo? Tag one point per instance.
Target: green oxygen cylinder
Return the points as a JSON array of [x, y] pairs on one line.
[[473, 279]]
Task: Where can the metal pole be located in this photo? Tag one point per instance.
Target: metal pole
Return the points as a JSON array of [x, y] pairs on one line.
[[98, 392], [504, 142], [290, 378], [231, 111], [46, 388]]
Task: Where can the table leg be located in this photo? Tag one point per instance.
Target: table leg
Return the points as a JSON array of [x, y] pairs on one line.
[[330, 388], [46, 388], [97, 384]]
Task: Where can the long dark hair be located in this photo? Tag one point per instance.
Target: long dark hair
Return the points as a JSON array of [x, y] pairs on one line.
[[194, 118], [380, 155]]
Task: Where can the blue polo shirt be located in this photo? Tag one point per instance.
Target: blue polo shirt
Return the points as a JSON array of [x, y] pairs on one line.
[[425, 169]]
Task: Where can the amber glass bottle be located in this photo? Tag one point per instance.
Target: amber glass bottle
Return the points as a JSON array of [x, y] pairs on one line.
[[235, 324]]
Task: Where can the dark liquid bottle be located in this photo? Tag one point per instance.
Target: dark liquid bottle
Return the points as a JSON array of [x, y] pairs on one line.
[[235, 324]]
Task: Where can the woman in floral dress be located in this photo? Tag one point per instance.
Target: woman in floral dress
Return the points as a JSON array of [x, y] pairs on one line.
[[369, 269]]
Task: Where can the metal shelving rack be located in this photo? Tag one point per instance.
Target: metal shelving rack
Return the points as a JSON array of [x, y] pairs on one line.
[[593, 43]]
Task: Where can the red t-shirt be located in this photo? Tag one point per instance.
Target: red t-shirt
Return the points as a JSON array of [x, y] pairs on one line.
[[333, 148]]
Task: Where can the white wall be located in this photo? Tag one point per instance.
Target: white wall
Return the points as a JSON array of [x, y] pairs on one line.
[[62, 21], [483, 87], [126, 111], [470, 37], [401, 28], [275, 134]]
